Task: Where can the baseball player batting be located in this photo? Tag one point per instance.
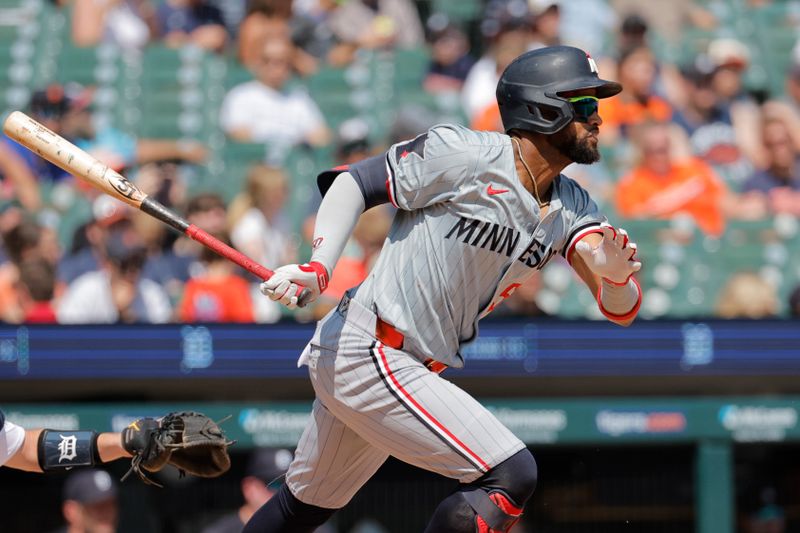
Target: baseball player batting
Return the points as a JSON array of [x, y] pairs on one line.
[[478, 213]]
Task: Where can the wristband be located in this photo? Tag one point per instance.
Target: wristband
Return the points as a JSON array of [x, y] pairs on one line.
[[319, 270], [62, 450], [617, 283], [625, 316]]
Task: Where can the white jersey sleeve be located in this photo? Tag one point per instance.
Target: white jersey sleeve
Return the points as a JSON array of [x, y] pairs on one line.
[[430, 168], [11, 438], [583, 215]]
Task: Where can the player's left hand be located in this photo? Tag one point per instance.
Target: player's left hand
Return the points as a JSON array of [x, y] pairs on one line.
[[283, 285], [614, 258], [188, 440]]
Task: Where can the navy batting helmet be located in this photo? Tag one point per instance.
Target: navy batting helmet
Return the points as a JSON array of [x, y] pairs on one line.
[[530, 88]]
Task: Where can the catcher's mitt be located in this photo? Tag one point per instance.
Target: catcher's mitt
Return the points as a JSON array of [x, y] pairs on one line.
[[190, 441]]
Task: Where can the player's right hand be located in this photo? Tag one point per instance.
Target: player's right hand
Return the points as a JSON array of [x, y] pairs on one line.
[[285, 283]]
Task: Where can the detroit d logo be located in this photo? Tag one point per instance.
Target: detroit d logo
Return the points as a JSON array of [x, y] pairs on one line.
[[67, 447]]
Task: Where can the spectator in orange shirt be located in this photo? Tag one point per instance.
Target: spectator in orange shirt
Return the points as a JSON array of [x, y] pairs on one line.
[[217, 295], [637, 103], [662, 187]]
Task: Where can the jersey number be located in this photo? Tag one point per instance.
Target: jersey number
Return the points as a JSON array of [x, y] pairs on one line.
[[508, 291]]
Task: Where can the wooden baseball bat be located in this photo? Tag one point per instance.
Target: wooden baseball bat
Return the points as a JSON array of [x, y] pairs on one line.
[[77, 162]]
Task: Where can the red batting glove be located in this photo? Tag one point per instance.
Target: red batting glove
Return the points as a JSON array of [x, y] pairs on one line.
[[285, 283]]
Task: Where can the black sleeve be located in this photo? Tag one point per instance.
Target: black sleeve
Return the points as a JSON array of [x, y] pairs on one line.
[[370, 175], [2, 420]]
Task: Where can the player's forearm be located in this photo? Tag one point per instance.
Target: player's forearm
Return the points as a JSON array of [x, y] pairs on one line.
[[337, 216], [27, 457], [620, 303], [109, 447]]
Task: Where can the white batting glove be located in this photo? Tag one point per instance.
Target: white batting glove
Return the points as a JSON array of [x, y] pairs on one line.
[[614, 258], [288, 281]]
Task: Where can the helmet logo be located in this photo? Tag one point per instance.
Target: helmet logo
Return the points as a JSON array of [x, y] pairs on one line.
[[592, 64]]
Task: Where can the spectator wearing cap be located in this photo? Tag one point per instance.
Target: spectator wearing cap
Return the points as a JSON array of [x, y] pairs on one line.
[[632, 32], [196, 22], [450, 59], [116, 148], [21, 169], [779, 183], [352, 141], [586, 24], [669, 21], [730, 59], [116, 292], [90, 503], [89, 240], [219, 294], [163, 265], [638, 103], [373, 24], [129, 24], [164, 182], [263, 476], [267, 19], [478, 94], [312, 33], [711, 126], [507, 30], [545, 23], [267, 110]]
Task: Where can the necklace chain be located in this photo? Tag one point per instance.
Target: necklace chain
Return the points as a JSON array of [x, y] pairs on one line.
[[527, 168]]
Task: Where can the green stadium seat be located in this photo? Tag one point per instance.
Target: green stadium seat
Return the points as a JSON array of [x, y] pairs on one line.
[[461, 11], [77, 65]]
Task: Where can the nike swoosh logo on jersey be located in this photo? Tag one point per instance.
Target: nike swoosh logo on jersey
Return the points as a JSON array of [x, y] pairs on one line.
[[492, 191]]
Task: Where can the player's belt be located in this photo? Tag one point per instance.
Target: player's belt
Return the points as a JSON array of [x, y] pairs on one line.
[[388, 335]]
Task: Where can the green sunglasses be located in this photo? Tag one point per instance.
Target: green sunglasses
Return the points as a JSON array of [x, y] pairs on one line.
[[584, 107]]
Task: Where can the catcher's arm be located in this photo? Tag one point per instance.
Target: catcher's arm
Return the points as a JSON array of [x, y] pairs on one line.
[[39, 452]]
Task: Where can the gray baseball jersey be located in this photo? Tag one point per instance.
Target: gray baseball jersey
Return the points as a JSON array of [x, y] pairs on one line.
[[466, 234]]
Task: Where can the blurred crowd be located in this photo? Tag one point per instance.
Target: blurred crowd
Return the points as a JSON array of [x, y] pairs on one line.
[[692, 137]]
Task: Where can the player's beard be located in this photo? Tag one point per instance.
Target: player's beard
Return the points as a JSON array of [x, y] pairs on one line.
[[580, 151]]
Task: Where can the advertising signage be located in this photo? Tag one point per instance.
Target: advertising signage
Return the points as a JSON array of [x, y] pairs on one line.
[[568, 421], [504, 348]]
